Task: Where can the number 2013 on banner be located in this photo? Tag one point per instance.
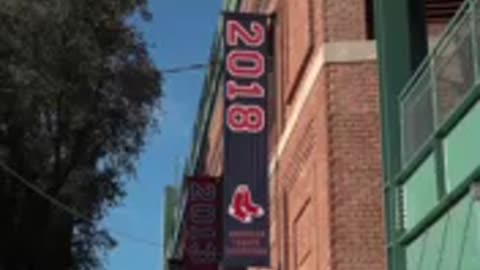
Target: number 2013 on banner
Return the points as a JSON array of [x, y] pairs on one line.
[[247, 65]]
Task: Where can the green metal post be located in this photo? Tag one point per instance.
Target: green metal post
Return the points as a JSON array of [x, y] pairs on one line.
[[401, 45]]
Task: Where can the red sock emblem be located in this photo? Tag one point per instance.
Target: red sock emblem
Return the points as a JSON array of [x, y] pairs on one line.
[[242, 207], [253, 208]]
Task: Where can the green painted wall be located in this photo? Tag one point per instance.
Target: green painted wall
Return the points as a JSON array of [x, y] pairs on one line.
[[420, 192], [462, 149], [452, 243], [446, 233]]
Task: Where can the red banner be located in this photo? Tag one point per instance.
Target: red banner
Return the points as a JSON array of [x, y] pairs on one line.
[[203, 226]]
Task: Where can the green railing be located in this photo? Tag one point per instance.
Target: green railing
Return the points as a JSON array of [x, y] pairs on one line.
[[442, 82]]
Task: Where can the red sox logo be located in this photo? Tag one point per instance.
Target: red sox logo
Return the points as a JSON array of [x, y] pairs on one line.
[[242, 208]]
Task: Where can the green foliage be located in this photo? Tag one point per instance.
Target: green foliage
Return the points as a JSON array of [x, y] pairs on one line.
[[78, 96]]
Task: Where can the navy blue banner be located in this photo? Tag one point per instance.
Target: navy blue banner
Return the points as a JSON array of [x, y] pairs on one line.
[[246, 199]]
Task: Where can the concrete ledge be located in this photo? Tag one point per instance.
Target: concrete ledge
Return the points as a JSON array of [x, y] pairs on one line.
[[350, 51], [354, 51]]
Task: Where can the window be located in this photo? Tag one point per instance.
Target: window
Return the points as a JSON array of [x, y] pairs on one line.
[[370, 19]]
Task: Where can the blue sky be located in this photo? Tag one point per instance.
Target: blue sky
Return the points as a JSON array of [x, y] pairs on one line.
[[182, 31]]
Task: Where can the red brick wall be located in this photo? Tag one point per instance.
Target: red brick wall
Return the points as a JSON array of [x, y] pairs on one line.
[[356, 183], [299, 24], [319, 25], [345, 20], [302, 188], [333, 194]]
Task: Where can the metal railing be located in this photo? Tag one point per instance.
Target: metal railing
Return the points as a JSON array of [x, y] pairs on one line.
[[442, 82]]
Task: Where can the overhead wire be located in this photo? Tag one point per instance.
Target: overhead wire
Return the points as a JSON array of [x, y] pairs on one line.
[[186, 68], [71, 211], [190, 67]]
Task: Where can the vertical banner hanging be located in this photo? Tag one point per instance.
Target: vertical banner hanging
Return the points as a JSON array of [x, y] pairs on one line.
[[203, 224], [245, 196]]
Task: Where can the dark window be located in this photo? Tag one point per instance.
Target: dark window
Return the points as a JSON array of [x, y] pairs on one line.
[[370, 15]]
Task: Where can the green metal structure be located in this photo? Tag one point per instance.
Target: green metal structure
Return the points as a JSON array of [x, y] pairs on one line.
[[171, 194], [212, 87], [431, 133]]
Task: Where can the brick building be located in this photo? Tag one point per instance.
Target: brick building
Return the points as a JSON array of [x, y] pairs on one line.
[[326, 179]]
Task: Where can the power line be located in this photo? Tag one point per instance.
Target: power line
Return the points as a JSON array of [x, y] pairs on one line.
[[181, 69], [184, 68], [72, 211]]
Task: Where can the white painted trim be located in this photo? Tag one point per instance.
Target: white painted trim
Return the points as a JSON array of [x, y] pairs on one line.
[[306, 87]]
